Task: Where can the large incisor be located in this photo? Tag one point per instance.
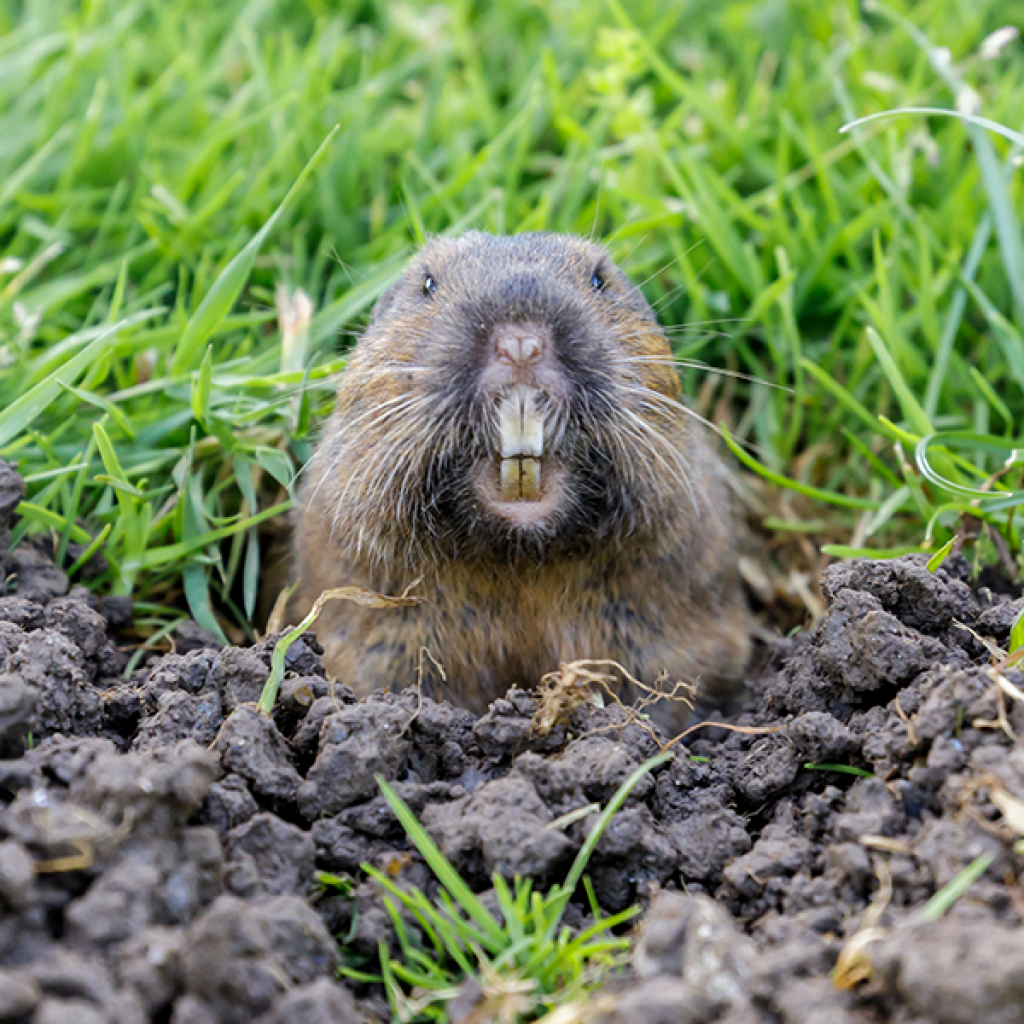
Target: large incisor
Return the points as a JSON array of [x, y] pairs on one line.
[[521, 424]]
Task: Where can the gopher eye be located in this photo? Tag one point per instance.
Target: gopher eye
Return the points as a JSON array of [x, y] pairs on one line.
[[429, 285], [597, 282]]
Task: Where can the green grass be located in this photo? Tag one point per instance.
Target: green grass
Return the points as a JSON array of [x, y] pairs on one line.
[[199, 204], [955, 888], [154, 215], [526, 961]]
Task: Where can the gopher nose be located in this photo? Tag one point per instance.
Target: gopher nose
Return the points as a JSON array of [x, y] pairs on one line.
[[518, 345], [522, 355]]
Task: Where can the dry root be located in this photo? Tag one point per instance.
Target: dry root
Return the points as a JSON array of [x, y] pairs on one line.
[[585, 682], [582, 682], [1010, 827]]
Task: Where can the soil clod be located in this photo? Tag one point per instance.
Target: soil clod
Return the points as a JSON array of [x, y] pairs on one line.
[[161, 839]]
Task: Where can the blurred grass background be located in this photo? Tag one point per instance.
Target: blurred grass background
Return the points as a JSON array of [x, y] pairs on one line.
[[161, 371]]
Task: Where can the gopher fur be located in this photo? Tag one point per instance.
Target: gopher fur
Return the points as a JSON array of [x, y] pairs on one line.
[[626, 553]]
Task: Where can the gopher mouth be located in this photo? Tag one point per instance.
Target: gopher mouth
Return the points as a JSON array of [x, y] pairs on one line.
[[525, 486]]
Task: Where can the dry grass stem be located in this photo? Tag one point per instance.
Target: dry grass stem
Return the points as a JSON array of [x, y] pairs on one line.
[[885, 843], [81, 860], [853, 964], [908, 724]]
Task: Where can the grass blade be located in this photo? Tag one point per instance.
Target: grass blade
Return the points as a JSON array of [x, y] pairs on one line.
[[197, 593], [845, 551], [579, 865], [951, 327], [941, 555], [1017, 632], [24, 410], [831, 497], [446, 874], [954, 889], [219, 300], [909, 405]]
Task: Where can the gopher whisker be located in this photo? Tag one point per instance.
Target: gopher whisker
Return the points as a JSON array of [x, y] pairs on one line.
[[696, 364]]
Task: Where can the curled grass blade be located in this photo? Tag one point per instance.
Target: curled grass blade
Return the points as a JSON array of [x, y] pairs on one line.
[[357, 595], [982, 122], [974, 442]]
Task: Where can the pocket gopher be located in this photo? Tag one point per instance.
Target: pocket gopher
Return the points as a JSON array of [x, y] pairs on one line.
[[510, 429]]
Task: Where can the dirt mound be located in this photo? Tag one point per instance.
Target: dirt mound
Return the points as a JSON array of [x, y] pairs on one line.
[[160, 838]]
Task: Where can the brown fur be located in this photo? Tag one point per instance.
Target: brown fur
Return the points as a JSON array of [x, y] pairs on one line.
[[636, 564]]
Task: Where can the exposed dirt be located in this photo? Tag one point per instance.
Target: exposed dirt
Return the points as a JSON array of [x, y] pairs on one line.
[[160, 838]]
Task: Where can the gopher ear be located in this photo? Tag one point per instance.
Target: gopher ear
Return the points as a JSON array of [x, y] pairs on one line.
[[386, 300]]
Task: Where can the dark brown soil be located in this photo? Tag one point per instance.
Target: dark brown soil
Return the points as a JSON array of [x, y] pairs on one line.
[[160, 838]]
